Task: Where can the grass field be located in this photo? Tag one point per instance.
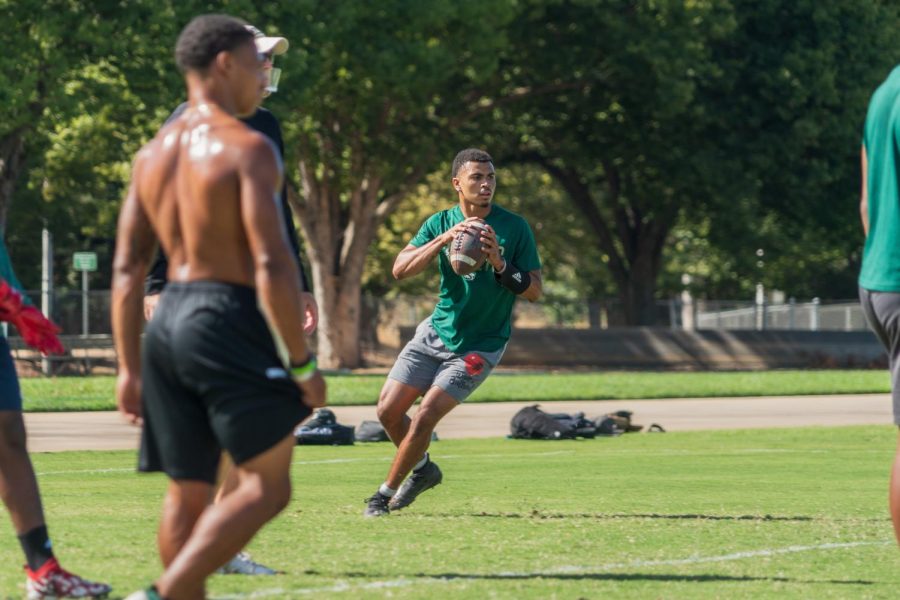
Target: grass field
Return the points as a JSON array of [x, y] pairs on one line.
[[97, 393], [756, 513]]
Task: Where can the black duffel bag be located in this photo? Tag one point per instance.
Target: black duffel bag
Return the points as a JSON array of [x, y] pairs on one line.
[[371, 431], [531, 423], [324, 430]]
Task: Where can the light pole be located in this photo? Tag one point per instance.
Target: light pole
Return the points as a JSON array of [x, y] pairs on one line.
[[760, 292]]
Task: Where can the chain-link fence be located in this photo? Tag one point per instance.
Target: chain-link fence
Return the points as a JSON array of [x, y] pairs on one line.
[[814, 315], [380, 314]]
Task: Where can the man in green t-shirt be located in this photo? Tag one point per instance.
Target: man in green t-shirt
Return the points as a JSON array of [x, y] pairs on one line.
[[879, 278], [455, 349]]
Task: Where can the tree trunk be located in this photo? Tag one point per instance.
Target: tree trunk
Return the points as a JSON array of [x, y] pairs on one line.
[[337, 342], [338, 226], [638, 294], [12, 154], [337, 236], [337, 257], [634, 242]]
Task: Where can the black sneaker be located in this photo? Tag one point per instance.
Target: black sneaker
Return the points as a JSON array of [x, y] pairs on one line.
[[424, 479], [377, 505]]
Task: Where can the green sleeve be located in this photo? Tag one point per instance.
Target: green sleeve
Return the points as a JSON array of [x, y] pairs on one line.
[[526, 254], [6, 270], [427, 232]]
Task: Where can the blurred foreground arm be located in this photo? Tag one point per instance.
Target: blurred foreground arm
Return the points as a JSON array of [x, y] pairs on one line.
[[135, 241]]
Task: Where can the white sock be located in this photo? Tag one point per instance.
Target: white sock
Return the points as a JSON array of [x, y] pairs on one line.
[[384, 490], [421, 463]]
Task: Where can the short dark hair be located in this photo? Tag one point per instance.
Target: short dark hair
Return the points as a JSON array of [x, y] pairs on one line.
[[205, 36], [469, 155]]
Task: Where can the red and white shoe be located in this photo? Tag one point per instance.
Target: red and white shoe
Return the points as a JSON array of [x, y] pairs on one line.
[[52, 581]]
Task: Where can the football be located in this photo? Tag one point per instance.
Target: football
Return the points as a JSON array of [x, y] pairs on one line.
[[466, 255]]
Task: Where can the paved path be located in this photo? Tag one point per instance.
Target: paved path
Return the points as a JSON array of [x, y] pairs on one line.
[[54, 432]]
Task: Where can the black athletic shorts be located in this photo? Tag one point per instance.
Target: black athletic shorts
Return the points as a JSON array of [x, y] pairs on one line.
[[212, 380]]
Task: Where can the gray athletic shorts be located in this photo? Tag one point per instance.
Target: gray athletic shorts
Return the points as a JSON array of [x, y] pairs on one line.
[[426, 361], [882, 310]]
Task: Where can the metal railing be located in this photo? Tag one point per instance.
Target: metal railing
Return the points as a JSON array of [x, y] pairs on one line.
[[815, 315]]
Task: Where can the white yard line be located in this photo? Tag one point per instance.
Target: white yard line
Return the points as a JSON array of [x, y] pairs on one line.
[[344, 586], [517, 455]]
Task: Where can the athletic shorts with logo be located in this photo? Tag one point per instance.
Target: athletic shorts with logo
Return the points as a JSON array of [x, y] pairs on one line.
[[212, 381], [10, 394], [425, 361], [882, 310]]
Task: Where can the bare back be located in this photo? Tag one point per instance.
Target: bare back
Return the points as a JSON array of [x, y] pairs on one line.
[[197, 181]]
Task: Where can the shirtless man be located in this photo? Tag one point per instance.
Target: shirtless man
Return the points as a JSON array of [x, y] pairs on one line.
[[210, 373]]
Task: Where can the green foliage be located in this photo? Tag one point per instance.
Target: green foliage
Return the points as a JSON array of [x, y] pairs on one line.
[[613, 114], [699, 130], [731, 122], [399, 228], [800, 75], [369, 88], [98, 88]]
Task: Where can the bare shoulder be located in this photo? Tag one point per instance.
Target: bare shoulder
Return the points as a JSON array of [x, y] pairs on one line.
[[258, 144], [167, 137], [144, 156]]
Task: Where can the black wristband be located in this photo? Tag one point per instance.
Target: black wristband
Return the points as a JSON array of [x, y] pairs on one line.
[[513, 279]]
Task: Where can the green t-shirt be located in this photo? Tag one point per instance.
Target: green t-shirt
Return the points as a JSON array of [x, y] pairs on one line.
[[7, 273], [881, 255], [6, 270], [474, 311]]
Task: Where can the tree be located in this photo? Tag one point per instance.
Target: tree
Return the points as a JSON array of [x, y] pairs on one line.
[[630, 144], [701, 114], [96, 81], [371, 99], [800, 75], [88, 83]]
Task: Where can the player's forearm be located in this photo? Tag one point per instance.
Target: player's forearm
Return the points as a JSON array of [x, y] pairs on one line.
[[864, 191], [864, 216], [413, 261], [524, 284], [535, 290], [128, 316], [278, 286]]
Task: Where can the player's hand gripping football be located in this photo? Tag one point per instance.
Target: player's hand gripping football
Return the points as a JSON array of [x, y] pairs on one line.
[[450, 234], [491, 247], [38, 331]]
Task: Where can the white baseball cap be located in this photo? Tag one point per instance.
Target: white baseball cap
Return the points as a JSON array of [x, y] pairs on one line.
[[266, 44]]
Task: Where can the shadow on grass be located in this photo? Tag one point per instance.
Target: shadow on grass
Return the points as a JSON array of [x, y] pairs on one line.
[[601, 516], [701, 578]]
